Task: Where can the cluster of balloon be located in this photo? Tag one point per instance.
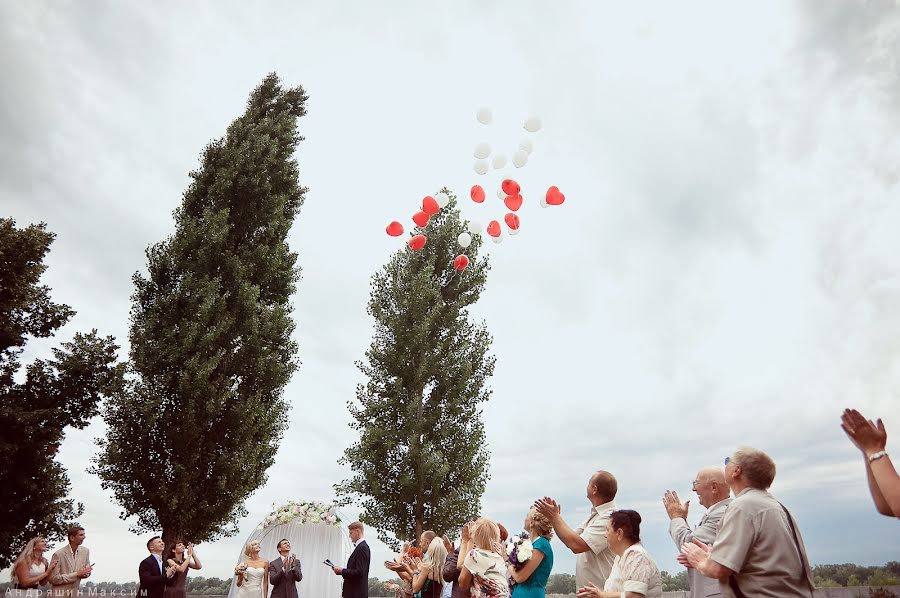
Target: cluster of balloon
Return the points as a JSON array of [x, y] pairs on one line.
[[510, 192]]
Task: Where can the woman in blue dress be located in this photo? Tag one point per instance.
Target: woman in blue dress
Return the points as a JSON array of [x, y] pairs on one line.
[[532, 577]]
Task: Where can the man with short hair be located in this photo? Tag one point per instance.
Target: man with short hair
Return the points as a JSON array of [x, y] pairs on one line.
[[73, 563], [758, 549], [714, 494], [284, 572], [153, 574], [356, 573], [594, 559]]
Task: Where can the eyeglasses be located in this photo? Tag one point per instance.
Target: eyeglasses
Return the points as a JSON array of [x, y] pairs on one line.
[[727, 460], [694, 484]]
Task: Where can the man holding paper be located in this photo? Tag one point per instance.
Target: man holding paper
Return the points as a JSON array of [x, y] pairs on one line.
[[356, 573]]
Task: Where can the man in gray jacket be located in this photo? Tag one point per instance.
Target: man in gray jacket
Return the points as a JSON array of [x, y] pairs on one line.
[[284, 572], [714, 494]]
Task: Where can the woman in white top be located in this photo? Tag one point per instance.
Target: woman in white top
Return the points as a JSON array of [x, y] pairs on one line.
[[634, 573], [31, 570]]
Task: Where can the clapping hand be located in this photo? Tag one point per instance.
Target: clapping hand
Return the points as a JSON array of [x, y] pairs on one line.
[[52, 566], [548, 507], [673, 505], [589, 591], [868, 436], [498, 548], [466, 536], [696, 552], [682, 559], [170, 571], [84, 572]]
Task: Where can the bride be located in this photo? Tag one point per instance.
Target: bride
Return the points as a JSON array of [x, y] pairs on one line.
[[252, 574]]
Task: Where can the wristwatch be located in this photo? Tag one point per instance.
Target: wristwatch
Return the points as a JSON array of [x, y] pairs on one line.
[[877, 456]]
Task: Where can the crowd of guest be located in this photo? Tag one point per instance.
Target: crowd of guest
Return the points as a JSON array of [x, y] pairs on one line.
[[746, 544]]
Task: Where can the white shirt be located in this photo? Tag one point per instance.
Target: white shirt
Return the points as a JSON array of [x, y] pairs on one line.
[[594, 565], [158, 561], [358, 542]]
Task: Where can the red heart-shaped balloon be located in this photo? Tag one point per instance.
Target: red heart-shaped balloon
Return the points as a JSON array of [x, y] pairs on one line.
[[417, 242], [477, 193], [394, 229], [510, 187], [555, 196], [513, 202], [421, 219], [430, 205], [493, 228], [461, 262], [512, 221]]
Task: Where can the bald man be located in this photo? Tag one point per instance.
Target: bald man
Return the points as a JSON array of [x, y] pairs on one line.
[[593, 556], [714, 494]]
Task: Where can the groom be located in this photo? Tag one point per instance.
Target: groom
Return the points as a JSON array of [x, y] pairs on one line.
[[356, 573], [284, 572]]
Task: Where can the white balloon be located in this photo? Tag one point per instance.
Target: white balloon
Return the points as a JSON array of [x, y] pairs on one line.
[[526, 146], [519, 159], [499, 161], [484, 116], [497, 240], [482, 150], [500, 194], [464, 240], [544, 203], [481, 166], [532, 124], [442, 200], [474, 227]]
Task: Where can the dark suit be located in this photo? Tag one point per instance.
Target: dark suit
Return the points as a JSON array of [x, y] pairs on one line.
[[153, 582], [356, 573], [284, 582], [451, 575]]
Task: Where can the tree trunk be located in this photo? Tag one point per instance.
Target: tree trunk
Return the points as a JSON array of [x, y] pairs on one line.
[[419, 511], [169, 536]]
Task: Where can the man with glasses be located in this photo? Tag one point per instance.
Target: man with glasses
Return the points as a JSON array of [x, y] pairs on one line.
[[714, 494], [758, 550]]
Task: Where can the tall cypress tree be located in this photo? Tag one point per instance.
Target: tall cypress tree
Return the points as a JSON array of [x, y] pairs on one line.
[[53, 394], [421, 460], [211, 351]]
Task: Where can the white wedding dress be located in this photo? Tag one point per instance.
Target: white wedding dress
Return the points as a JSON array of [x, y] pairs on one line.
[[253, 583]]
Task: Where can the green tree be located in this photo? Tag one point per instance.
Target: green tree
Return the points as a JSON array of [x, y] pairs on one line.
[[561, 583], [421, 459], [53, 395], [674, 583], [201, 417]]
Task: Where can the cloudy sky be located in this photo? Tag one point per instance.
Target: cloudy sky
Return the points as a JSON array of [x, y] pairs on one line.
[[724, 270]]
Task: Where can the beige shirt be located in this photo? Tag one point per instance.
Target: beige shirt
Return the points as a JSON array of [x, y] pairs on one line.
[[594, 565], [755, 541], [701, 587], [64, 580], [635, 571]]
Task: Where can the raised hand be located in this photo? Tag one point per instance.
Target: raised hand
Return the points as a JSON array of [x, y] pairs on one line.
[[868, 436], [673, 505], [548, 507]]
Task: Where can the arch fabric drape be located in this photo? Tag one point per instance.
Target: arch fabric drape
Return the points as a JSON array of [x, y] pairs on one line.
[[312, 543]]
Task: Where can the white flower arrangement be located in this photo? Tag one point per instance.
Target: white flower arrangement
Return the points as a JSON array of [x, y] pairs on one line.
[[519, 549], [301, 513]]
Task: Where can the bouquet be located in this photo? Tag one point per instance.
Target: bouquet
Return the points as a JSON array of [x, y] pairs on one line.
[[240, 569], [519, 549]]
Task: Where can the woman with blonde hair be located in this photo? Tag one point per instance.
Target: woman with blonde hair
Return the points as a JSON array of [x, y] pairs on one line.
[[481, 568], [252, 573], [31, 570], [428, 578], [532, 578]]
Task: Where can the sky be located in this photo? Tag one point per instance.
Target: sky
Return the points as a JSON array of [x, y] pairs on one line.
[[723, 272]]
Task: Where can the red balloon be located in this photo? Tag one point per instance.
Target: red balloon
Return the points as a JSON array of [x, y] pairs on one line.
[[512, 221], [430, 205], [421, 219], [394, 229], [493, 228], [513, 202], [461, 262], [417, 242], [555, 196], [510, 187], [477, 193]]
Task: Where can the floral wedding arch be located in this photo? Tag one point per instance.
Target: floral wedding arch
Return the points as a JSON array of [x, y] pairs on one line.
[[315, 532]]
